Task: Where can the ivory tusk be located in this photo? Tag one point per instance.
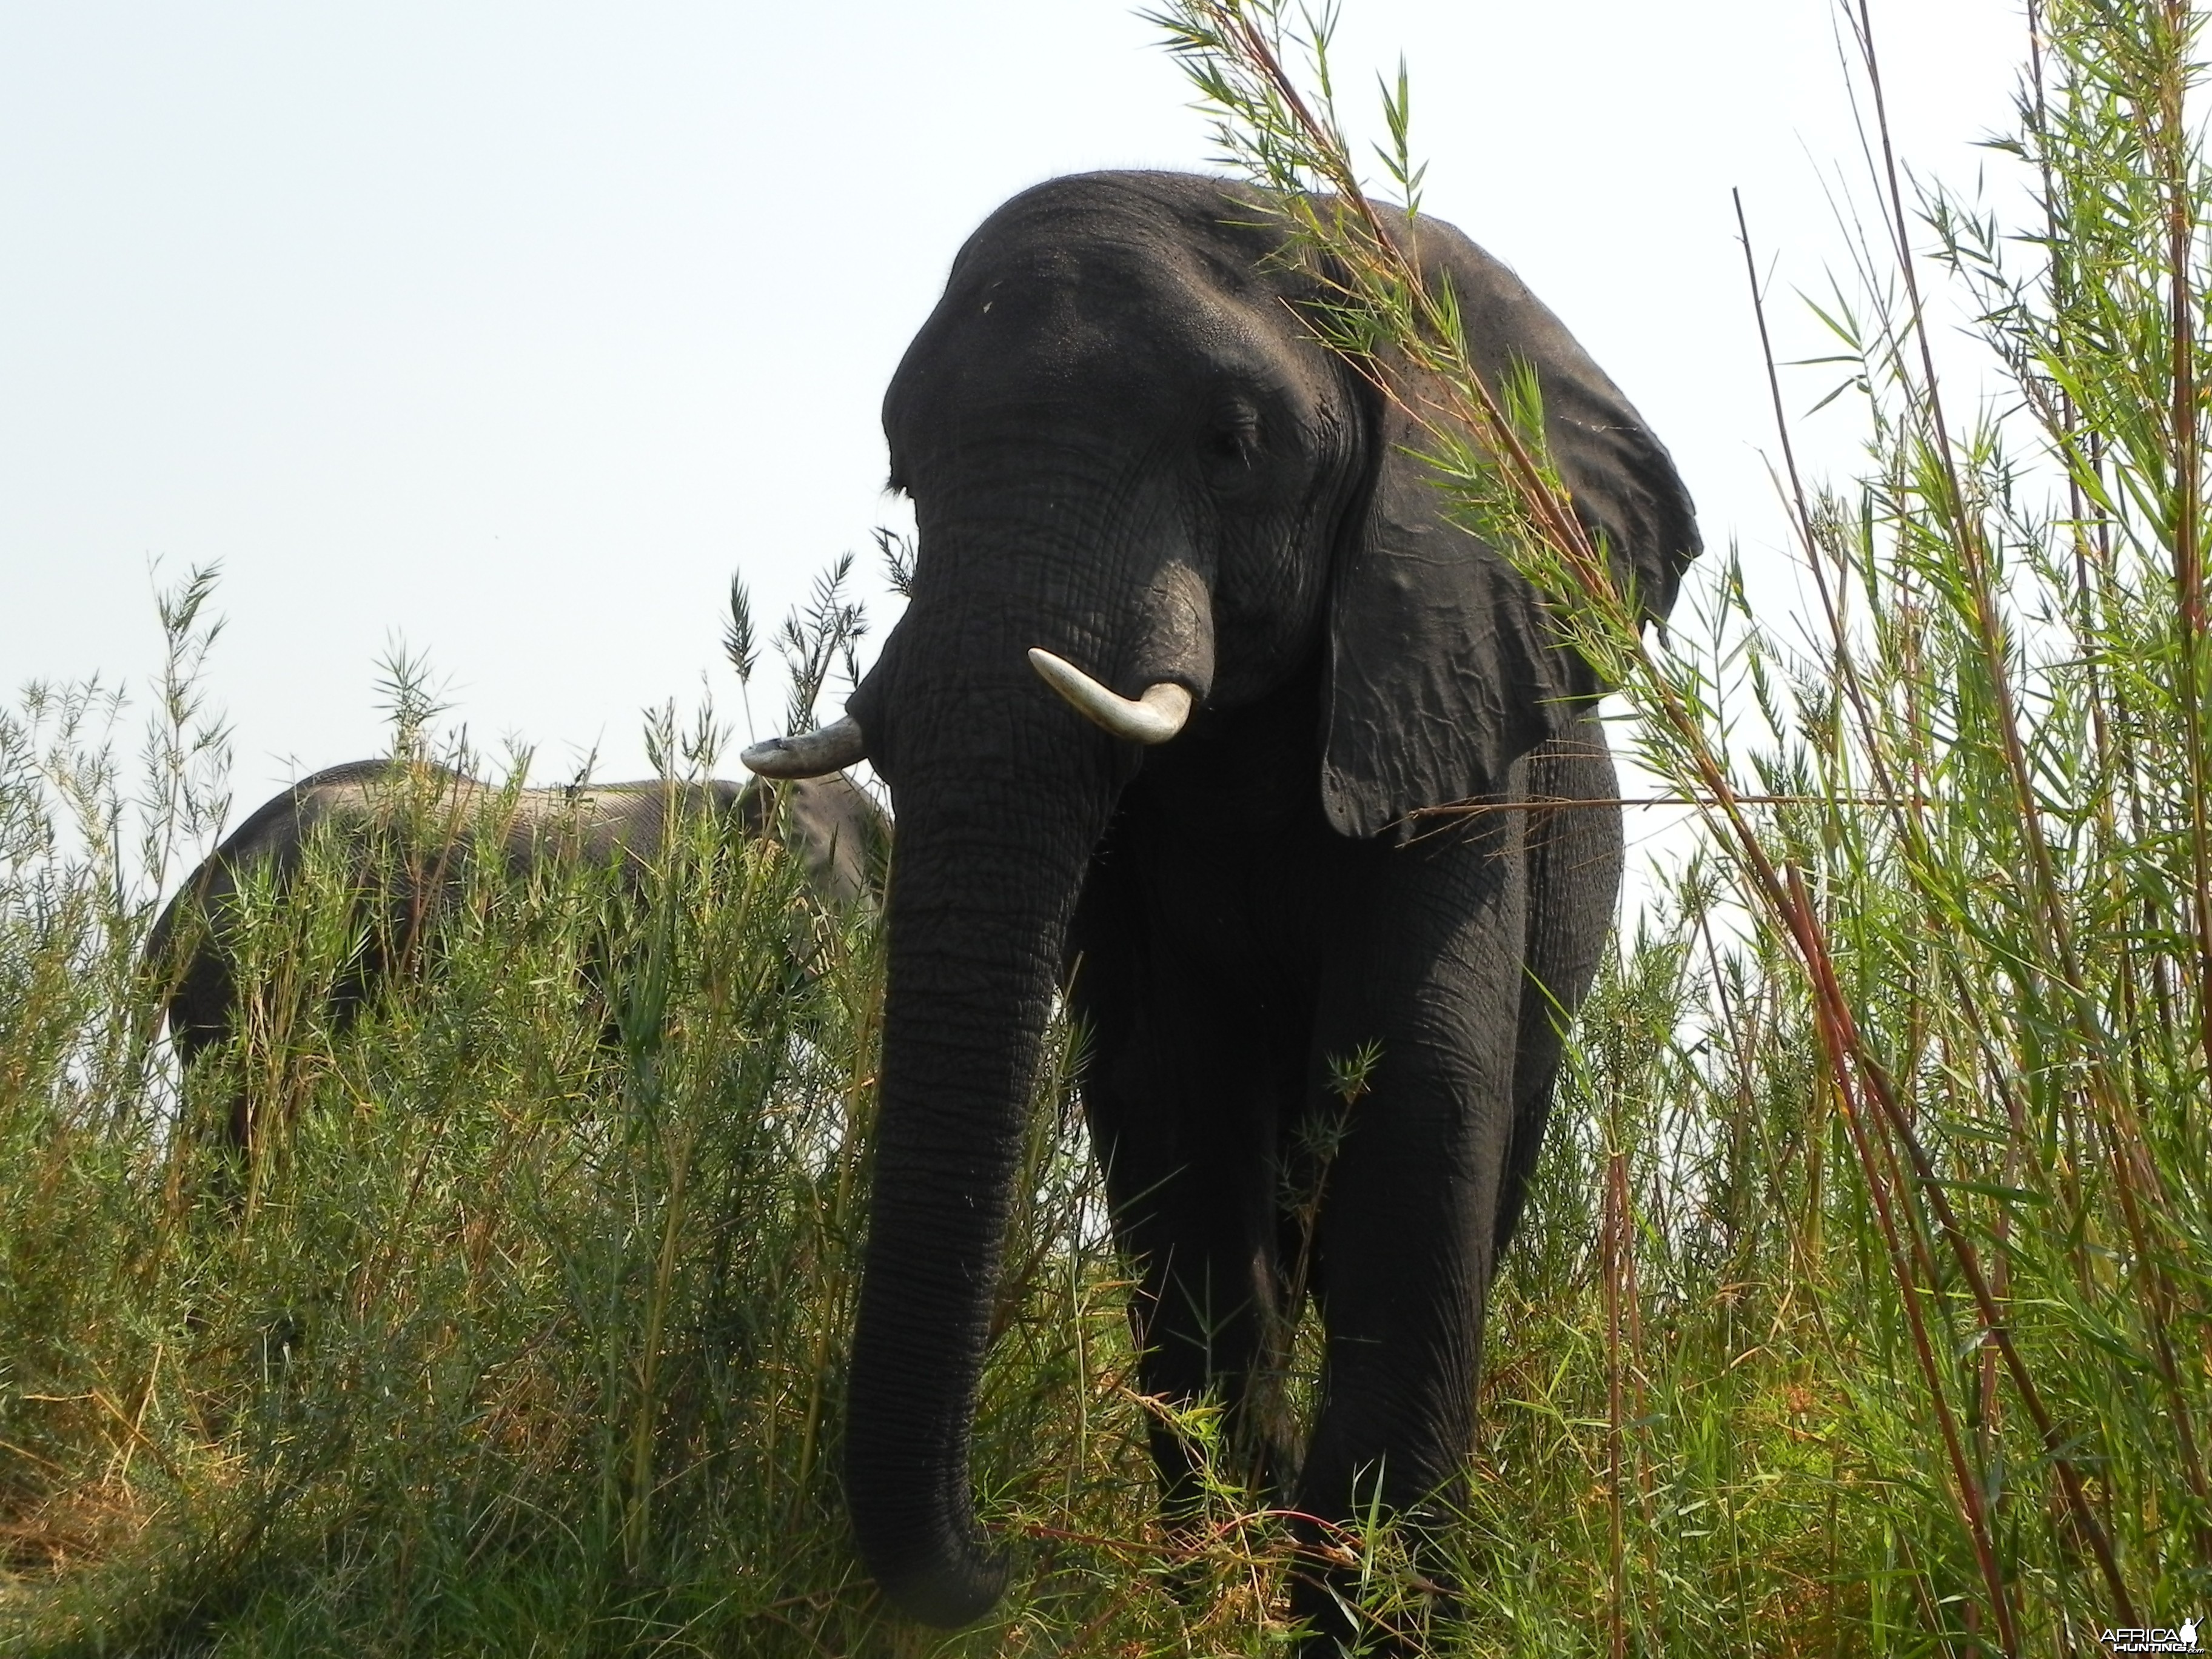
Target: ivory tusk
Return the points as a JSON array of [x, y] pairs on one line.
[[812, 754], [1153, 718]]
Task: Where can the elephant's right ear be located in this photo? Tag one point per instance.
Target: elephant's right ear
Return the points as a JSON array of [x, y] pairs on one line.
[[1444, 665]]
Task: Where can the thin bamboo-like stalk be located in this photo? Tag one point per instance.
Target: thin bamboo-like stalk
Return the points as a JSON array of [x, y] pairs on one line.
[[1612, 1226]]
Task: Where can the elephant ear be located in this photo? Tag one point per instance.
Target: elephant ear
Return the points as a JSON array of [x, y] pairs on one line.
[[1444, 665]]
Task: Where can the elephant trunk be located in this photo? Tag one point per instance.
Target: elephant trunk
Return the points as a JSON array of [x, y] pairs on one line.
[[987, 865]]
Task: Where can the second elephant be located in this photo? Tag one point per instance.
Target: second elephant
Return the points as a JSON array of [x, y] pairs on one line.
[[409, 832]]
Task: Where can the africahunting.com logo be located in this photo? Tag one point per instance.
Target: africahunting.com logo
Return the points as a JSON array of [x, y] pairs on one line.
[[2134, 1640]]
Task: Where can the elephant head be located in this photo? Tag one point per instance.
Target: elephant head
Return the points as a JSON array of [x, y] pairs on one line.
[[1144, 487]]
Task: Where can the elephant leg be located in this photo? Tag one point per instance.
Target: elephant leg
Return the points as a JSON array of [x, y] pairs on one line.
[[1190, 1071], [1184, 1125], [1429, 970], [1575, 855]]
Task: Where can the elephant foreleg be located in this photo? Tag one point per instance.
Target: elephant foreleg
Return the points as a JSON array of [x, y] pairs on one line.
[[1183, 1092], [1192, 1198], [1430, 974]]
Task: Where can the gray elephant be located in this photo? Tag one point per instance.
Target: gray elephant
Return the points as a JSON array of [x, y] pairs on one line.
[[834, 827], [1143, 488]]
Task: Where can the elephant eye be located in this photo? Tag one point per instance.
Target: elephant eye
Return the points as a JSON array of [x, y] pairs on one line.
[[1233, 438]]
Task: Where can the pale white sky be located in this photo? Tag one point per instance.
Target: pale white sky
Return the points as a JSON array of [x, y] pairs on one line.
[[508, 330]]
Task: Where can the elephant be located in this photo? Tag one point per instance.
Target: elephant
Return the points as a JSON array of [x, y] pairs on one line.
[[835, 828], [1192, 642]]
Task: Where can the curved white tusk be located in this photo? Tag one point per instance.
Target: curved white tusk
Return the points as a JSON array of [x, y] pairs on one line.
[[812, 754], [1153, 718]]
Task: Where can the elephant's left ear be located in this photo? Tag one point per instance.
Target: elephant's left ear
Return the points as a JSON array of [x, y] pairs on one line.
[[1443, 666]]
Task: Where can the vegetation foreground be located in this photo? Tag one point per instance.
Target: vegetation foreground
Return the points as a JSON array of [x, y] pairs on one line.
[[1865, 1302]]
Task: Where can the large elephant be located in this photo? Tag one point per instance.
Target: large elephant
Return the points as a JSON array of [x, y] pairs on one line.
[[409, 831], [1141, 483]]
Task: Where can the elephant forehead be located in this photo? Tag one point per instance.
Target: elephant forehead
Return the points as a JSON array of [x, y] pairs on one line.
[[1095, 316], [1123, 309]]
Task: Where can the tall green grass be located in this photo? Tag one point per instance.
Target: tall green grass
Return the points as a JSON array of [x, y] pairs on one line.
[[1864, 1306]]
